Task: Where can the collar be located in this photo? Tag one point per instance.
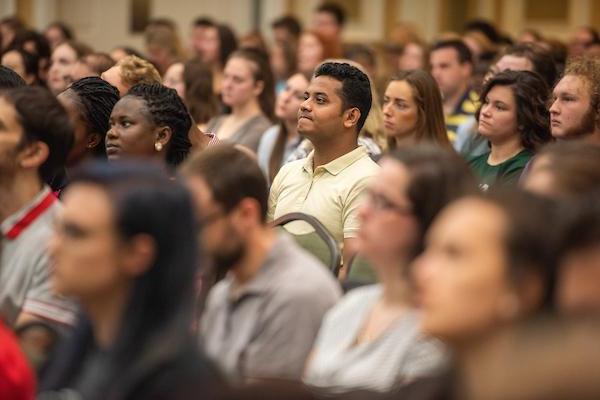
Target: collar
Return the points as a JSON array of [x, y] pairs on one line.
[[16, 223], [267, 275], [339, 164]]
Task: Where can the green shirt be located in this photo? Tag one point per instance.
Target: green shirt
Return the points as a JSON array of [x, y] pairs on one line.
[[507, 172]]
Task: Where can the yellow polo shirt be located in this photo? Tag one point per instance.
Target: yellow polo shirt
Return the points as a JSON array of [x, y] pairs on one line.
[[331, 193]]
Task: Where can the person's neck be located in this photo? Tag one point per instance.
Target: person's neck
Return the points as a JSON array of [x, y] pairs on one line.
[[504, 150], [327, 151], [20, 191], [292, 129], [594, 138], [395, 289], [451, 101], [405, 141], [106, 315], [258, 247], [246, 111]]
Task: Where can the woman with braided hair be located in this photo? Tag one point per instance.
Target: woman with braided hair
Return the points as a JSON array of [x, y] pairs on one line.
[[150, 121], [89, 102]]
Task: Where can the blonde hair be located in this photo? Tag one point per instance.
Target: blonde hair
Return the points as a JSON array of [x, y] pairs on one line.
[[134, 70]]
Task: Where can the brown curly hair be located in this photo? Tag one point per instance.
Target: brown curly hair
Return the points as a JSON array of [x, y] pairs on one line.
[[587, 68]]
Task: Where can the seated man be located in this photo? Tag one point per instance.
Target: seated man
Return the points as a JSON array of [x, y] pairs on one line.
[[260, 321], [35, 138], [329, 182]]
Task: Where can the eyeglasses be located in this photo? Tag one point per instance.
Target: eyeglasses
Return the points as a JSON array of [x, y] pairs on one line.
[[381, 203]]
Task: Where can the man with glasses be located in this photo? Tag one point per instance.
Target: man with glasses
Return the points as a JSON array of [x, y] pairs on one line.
[[260, 321]]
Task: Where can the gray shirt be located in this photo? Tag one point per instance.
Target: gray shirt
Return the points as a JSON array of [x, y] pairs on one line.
[[24, 266], [266, 329], [399, 355], [248, 134]]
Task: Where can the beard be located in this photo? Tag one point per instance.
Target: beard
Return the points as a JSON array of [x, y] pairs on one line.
[[223, 261], [9, 166], [586, 125]]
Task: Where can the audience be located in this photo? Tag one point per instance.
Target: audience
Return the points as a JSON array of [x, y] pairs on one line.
[[329, 182], [125, 247], [260, 321], [152, 122], [453, 293], [514, 118], [36, 138], [371, 338], [248, 88]]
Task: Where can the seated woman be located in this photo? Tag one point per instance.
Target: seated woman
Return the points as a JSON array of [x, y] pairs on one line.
[[412, 111], [88, 102], [487, 264], [371, 339], [125, 247], [514, 117], [63, 59], [248, 89], [280, 140], [150, 121]]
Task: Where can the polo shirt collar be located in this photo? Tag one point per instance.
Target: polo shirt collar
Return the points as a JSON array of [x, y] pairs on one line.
[[16, 223], [267, 275], [339, 164]]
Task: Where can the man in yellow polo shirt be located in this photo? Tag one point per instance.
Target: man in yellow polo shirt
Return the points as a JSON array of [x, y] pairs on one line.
[[329, 182]]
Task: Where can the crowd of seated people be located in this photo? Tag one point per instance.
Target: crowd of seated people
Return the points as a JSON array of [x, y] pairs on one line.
[[306, 219]]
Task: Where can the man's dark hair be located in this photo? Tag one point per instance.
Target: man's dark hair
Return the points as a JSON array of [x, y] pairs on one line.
[[166, 108], [231, 174], [10, 79], [485, 27], [334, 9], [203, 22], [462, 50], [356, 88], [540, 58], [95, 99], [42, 118], [289, 23]]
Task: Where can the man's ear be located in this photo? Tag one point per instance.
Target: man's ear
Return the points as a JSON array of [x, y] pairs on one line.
[[351, 117], [34, 154]]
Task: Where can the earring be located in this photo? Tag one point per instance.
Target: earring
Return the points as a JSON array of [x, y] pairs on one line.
[[158, 146]]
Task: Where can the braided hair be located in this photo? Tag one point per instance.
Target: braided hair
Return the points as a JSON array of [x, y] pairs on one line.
[[95, 99], [167, 109]]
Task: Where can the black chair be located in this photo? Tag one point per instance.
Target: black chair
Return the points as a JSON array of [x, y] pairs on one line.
[[320, 242]]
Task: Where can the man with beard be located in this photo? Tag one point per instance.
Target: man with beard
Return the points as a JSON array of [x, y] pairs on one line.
[[35, 138], [575, 110], [260, 321]]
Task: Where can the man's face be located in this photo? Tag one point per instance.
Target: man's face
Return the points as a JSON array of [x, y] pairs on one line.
[[218, 237], [571, 114], [320, 115], [450, 75], [11, 134]]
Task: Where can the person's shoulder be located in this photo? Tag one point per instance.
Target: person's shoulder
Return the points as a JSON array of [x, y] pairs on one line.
[[477, 160]]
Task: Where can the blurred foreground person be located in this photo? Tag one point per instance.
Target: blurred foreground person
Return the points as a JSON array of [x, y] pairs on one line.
[[261, 320], [371, 339], [125, 247]]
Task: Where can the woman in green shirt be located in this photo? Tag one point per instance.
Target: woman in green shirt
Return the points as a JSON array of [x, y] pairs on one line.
[[513, 116]]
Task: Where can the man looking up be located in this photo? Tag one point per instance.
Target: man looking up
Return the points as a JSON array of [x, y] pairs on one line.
[[575, 109], [329, 182], [451, 67], [260, 321]]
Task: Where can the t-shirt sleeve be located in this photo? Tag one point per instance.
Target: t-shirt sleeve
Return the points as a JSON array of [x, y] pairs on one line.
[[350, 221], [40, 299], [282, 346]]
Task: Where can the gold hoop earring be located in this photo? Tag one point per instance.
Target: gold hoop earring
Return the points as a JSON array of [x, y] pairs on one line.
[[158, 146]]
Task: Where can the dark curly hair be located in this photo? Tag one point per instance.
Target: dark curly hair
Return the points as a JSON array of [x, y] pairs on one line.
[[95, 99], [166, 108], [356, 87], [531, 96]]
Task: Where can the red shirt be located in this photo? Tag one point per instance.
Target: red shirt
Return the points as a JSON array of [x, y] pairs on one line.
[[17, 381]]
